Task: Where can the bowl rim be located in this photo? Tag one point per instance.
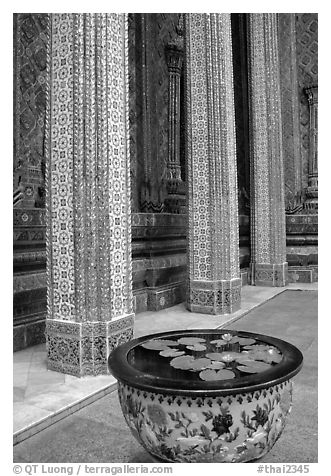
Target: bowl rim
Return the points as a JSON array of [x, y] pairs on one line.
[[289, 366]]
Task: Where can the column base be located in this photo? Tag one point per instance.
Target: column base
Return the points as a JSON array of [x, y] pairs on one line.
[[214, 297], [81, 349], [269, 274]]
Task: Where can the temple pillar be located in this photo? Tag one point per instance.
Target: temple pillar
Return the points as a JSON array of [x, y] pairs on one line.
[[268, 236], [88, 193], [214, 285]]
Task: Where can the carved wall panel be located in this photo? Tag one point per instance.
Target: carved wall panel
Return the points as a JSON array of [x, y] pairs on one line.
[[135, 107], [290, 112], [30, 40], [239, 52], [307, 59], [148, 36]]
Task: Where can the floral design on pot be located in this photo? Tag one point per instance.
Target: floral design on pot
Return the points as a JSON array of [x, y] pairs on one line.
[[206, 395], [233, 429]]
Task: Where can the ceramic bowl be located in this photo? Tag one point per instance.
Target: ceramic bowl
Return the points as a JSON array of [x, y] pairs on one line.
[[206, 395]]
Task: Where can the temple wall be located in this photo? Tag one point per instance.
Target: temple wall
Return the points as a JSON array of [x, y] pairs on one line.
[[30, 79], [299, 71], [239, 50], [149, 82], [159, 246]]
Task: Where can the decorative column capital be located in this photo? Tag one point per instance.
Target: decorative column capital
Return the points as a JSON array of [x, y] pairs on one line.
[[312, 94], [175, 49], [174, 55]]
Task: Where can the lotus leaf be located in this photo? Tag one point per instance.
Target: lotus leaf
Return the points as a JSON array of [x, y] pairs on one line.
[[200, 364], [266, 356], [167, 342], [246, 341], [155, 345], [197, 347], [218, 356], [191, 340], [257, 347], [254, 367], [216, 365], [183, 362], [222, 374], [171, 353], [245, 358], [271, 357]]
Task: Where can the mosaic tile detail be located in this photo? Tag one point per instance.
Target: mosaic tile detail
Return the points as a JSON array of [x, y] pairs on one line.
[[88, 208], [307, 60], [268, 236], [271, 275], [211, 153], [83, 348], [31, 281], [219, 297], [30, 82]]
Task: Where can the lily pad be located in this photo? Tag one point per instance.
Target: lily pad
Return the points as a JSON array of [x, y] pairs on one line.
[[224, 356], [167, 342], [190, 340], [269, 356], [257, 347], [197, 347], [218, 356], [155, 345], [183, 362], [216, 365], [222, 374], [171, 353], [243, 358], [254, 367], [246, 341], [200, 364]]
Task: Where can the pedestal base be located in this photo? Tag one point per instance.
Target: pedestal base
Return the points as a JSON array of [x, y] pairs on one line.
[[83, 348], [269, 274], [214, 297]]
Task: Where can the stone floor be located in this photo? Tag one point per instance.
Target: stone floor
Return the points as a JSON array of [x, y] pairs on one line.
[[42, 397]]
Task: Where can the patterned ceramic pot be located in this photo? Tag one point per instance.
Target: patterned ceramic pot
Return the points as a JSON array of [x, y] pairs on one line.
[[207, 395]]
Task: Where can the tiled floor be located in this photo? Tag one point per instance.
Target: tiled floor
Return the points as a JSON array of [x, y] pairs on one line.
[[42, 397]]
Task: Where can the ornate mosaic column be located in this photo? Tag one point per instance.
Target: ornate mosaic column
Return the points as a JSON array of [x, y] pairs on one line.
[[268, 236], [214, 281], [312, 189], [88, 193]]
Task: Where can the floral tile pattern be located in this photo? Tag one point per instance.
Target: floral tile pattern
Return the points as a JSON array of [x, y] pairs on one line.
[[233, 429]]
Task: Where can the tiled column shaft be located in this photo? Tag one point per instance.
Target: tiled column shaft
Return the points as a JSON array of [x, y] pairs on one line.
[[268, 236], [88, 193], [214, 281]]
